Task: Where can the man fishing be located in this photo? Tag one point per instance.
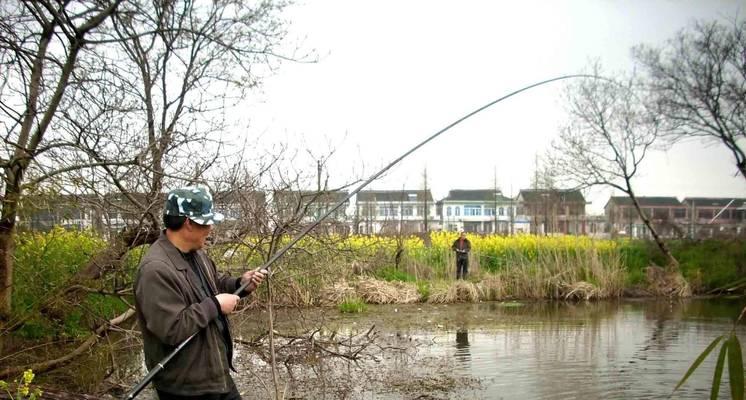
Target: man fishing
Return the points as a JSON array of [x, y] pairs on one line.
[[462, 247], [178, 292]]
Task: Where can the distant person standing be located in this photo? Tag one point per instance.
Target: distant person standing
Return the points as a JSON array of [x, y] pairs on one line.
[[462, 247]]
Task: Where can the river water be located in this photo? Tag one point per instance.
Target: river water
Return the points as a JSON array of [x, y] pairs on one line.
[[627, 349]]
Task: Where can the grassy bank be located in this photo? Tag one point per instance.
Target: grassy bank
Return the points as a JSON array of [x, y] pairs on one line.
[[527, 267], [373, 269]]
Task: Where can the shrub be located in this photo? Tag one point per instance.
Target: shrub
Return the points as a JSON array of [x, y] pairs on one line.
[[423, 289], [352, 305], [45, 261]]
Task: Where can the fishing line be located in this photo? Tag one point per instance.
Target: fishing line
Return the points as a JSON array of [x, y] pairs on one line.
[[140, 386]]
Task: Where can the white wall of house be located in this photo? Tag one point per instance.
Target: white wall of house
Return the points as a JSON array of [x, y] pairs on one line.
[[476, 216], [392, 212]]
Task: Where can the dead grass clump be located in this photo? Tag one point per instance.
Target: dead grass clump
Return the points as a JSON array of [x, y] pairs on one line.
[[438, 293], [457, 292], [492, 288], [336, 293], [666, 283], [291, 293], [375, 291], [581, 291]]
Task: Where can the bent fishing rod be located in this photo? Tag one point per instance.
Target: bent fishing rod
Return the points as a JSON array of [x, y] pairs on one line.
[[149, 377]]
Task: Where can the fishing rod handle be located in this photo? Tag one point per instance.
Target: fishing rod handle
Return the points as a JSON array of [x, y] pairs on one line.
[[153, 372]]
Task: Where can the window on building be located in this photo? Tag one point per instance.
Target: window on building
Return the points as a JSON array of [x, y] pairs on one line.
[[407, 211], [629, 213], [679, 213], [739, 215], [660, 213], [708, 214], [472, 210], [388, 211], [501, 211], [412, 196], [421, 211], [458, 211], [489, 211], [448, 211]]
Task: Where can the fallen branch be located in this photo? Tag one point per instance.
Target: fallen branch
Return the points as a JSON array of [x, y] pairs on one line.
[[301, 344], [733, 286], [87, 344]]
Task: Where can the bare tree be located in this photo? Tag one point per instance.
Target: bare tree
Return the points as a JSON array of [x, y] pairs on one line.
[[608, 136], [183, 65], [698, 84], [548, 197], [40, 46]]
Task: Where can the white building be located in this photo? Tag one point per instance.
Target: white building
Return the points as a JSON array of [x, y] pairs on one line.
[[393, 211], [481, 211]]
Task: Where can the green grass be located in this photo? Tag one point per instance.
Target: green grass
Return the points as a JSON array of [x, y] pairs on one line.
[[392, 274], [423, 289], [715, 262], [353, 306]]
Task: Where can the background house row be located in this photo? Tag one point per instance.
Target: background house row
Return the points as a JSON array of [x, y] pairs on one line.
[[532, 211]]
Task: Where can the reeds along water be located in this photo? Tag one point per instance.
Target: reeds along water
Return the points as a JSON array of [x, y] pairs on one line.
[[427, 274]]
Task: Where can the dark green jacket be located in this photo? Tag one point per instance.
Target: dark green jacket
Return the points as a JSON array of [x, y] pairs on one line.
[[170, 307]]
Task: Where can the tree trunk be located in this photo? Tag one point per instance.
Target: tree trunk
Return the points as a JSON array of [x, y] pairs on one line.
[[673, 264], [6, 268], [7, 245], [742, 167], [109, 259]]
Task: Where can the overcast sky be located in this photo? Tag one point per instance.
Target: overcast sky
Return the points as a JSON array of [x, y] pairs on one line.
[[391, 73]]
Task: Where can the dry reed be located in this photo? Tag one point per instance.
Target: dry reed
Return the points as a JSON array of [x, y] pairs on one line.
[[457, 292], [667, 283], [336, 293], [375, 291], [561, 274], [492, 287]]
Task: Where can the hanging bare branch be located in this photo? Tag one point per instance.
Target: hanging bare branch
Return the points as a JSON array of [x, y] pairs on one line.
[[609, 134], [697, 82]]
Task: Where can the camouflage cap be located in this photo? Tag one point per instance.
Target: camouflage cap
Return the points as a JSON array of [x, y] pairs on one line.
[[193, 202]]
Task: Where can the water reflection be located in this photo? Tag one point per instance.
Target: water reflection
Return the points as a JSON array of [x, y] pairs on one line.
[[540, 350], [462, 346]]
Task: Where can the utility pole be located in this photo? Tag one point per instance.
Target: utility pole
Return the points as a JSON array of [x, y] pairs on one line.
[[546, 213], [494, 202], [424, 195], [401, 211], [318, 176], [692, 220], [512, 212], [318, 190]]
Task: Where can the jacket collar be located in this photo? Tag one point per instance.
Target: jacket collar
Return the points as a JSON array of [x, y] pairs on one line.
[[171, 251]]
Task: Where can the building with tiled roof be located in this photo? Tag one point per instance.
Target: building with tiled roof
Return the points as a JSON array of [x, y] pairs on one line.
[[477, 210], [666, 214], [392, 211], [553, 211]]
